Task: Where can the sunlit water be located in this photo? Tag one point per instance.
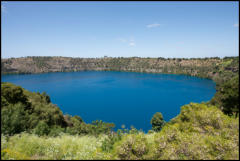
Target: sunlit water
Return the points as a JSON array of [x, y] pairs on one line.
[[123, 98]]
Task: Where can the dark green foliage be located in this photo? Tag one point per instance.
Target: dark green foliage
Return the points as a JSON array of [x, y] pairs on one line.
[[157, 121], [107, 144], [47, 98], [14, 119], [56, 131], [76, 126], [12, 94], [199, 132], [98, 127], [42, 128], [82, 129], [22, 110], [4, 102], [78, 118], [227, 97]]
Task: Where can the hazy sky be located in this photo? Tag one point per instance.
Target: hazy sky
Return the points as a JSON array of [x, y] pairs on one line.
[[144, 29]]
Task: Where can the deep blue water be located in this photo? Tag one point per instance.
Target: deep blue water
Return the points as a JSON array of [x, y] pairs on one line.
[[120, 97]]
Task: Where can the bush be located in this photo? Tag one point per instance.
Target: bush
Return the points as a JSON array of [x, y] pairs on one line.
[[132, 146], [56, 131], [230, 96], [42, 129], [199, 132], [108, 142], [157, 122], [21, 110], [14, 119], [13, 94]]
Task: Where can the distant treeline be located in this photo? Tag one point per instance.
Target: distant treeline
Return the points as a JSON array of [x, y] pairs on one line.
[[214, 68]]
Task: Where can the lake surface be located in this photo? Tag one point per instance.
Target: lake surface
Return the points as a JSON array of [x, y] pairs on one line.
[[124, 98]]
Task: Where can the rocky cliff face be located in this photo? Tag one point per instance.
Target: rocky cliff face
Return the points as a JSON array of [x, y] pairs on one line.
[[206, 67]]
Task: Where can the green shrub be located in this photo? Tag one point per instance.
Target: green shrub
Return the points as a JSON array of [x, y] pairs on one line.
[[42, 128], [56, 131], [108, 142], [13, 94], [132, 146], [21, 110], [199, 132], [227, 96], [157, 121], [14, 119]]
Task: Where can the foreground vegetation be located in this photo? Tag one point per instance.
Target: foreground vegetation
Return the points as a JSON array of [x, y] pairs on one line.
[[34, 128], [198, 132], [22, 110]]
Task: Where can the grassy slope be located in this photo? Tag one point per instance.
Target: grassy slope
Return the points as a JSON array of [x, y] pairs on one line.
[[198, 132]]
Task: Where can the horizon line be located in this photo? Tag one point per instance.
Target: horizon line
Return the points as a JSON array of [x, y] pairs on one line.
[[123, 57]]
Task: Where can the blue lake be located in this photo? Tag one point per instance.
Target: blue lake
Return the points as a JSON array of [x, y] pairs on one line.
[[123, 98]]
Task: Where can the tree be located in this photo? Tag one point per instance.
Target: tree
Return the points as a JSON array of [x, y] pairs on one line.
[[227, 97], [230, 96], [47, 98], [13, 119], [13, 94], [157, 121]]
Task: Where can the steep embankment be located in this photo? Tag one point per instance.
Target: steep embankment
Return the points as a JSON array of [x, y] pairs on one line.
[[213, 68]]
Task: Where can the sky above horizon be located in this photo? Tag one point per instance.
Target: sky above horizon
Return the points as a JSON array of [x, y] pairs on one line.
[[120, 29]]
